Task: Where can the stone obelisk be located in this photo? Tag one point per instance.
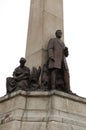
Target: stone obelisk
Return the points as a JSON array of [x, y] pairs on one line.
[[46, 16], [42, 110]]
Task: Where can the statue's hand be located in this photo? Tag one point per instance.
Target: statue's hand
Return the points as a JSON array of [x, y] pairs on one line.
[[15, 78], [66, 52]]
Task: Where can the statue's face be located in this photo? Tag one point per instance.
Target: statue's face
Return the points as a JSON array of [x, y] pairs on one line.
[[59, 33], [22, 61], [22, 64]]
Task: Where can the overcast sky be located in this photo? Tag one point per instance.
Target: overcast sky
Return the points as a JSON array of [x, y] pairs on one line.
[[14, 15]]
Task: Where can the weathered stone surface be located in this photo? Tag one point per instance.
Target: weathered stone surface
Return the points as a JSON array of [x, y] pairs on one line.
[[58, 126], [34, 126], [78, 128], [14, 103], [52, 110], [46, 16], [13, 125]]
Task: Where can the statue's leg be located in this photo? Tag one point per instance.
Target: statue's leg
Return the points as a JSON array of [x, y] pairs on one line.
[[10, 84], [53, 78], [67, 80], [59, 80]]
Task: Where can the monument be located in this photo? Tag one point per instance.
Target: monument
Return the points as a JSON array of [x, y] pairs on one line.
[[29, 105], [54, 73]]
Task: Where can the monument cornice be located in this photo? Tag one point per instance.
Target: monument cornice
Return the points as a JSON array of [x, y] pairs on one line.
[[43, 94]]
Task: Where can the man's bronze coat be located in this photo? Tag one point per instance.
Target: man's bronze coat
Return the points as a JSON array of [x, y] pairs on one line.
[[56, 54]]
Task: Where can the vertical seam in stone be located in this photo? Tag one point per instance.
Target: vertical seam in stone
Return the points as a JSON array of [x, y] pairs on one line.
[[67, 104], [23, 113], [43, 26], [49, 111], [71, 127]]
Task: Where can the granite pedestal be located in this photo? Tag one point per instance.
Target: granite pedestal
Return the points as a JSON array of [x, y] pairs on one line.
[[52, 110]]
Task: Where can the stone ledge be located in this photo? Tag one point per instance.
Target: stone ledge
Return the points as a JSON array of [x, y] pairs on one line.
[[43, 94], [59, 120]]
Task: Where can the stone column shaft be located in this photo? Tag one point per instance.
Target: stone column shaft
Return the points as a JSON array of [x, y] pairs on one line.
[[46, 16]]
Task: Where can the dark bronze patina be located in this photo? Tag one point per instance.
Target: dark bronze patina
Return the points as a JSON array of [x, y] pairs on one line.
[[59, 73], [20, 79], [45, 78], [34, 80], [53, 75]]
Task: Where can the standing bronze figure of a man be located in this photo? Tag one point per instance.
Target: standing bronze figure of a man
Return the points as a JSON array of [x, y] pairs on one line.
[[57, 53]]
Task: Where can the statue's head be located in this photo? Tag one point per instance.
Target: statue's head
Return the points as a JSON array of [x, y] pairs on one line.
[[58, 33], [22, 61]]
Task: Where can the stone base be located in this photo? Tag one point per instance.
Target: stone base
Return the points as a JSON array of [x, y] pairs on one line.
[[52, 110]]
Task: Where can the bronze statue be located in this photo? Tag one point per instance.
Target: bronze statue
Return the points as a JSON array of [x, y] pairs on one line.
[[21, 78], [54, 73], [34, 78], [45, 78], [57, 53]]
